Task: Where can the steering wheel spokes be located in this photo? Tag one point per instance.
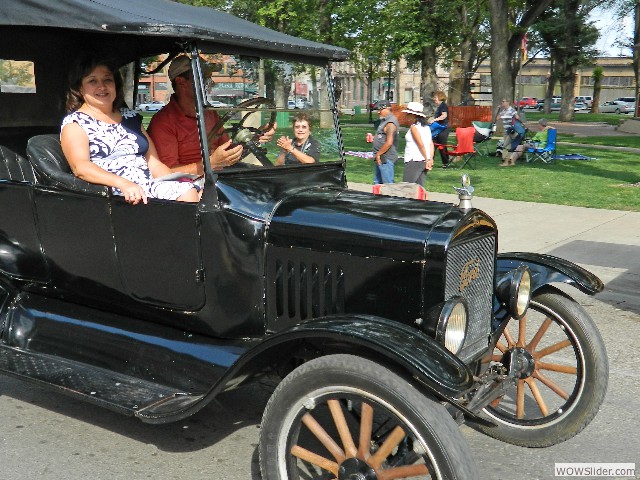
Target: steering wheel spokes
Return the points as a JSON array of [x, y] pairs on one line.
[[243, 132]]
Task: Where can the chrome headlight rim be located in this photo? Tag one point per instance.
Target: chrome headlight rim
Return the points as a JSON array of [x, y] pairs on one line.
[[514, 291], [453, 324]]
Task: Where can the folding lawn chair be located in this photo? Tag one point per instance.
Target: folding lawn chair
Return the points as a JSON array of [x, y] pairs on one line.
[[464, 149], [484, 133], [545, 154]]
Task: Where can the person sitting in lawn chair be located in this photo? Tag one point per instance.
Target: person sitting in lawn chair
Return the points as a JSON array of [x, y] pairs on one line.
[[539, 141], [516, 133]]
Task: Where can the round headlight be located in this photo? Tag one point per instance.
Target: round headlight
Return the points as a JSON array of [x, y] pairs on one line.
[[514, 290], [452, 324], [524, 294]]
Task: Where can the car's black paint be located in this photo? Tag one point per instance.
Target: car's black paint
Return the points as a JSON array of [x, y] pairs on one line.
[[546, 269], [152, 310]]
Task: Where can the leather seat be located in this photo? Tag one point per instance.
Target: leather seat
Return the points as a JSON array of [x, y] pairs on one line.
[[15, 167], [52, 168]]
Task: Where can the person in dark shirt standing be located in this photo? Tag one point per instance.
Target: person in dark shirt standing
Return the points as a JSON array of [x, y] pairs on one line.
[[441, 116], [385, 144]]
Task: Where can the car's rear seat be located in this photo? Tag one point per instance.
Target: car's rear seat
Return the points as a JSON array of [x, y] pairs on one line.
[[51, 166], [15, 167]]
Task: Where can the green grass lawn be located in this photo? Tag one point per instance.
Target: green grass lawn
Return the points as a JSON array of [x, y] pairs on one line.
[[602, 183]]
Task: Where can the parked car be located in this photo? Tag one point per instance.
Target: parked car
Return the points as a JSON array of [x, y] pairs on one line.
[[528, 102], [153, 106], [580, 106], [586, 99], [615, 106], [385, 320], [629, 102], [556, 105]]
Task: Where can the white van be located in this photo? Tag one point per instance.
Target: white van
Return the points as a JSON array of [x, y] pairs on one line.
[[586, 99]]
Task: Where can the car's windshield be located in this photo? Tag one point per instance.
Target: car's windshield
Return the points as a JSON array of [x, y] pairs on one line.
[[248, 95]]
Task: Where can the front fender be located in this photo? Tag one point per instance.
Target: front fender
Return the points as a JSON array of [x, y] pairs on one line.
[[546, 269], [408, 349]]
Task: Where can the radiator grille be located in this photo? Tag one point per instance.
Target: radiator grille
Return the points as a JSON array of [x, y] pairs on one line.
[[469, 274]]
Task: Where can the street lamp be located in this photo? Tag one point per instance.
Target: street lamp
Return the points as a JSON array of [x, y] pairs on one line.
[[389, 53], [371, 58]]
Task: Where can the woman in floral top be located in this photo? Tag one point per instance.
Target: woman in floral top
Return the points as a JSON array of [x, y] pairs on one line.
[[105, 143]]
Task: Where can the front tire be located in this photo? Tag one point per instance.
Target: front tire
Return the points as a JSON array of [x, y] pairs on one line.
[[341, 416], [566, 382]]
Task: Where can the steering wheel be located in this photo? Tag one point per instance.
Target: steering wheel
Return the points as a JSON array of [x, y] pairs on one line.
[[243, 135]]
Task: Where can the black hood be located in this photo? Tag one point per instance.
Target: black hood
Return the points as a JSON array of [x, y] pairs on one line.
[[357, 223]]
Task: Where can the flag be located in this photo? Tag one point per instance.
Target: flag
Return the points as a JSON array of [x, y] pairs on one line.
[[524, 48]]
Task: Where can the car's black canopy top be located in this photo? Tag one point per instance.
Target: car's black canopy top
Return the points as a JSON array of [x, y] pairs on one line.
[[157, 25]]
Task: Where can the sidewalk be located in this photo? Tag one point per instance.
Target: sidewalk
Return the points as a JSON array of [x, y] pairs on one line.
[[606, 242]]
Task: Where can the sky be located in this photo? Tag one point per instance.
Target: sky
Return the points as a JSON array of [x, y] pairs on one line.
[[611, 30]]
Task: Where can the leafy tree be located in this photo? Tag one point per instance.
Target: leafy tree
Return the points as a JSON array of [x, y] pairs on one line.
[[473, 40], [570, 40], [510, 20], [15, 73]]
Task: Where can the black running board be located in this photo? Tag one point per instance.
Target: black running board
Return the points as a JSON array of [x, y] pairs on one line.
[[118, 392]]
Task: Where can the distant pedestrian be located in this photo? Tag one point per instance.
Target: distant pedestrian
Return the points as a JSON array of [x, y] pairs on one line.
[[507, 114], [418, 153], [385, 144], [441, 115]]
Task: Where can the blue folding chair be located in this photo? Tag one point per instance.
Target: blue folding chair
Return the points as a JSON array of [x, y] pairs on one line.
[[436, 128], [545, 154]]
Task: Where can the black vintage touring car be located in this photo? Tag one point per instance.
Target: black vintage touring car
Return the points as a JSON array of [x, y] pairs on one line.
[[388, 319]]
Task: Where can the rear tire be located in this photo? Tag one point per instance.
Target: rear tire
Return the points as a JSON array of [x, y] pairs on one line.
[[385, 425]]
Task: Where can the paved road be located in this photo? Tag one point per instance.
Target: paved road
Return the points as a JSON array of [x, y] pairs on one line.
[[45, 435]]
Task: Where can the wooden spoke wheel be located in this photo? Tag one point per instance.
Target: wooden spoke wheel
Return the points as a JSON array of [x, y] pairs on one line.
[[562, 369], [344, 417]]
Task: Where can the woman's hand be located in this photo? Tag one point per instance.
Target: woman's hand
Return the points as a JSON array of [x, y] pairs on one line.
[[428, 164], [223, 156], [285, 143], [133, 193]]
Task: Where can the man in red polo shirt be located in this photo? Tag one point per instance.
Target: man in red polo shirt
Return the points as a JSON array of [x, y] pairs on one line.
[[174, 129]]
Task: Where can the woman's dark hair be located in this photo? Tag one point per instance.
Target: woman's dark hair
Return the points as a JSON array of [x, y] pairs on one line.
[[83, 67], [421, 120]]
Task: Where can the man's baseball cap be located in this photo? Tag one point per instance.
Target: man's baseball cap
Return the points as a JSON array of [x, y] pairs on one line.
[[382, 104], [179, 65], [182, 64]]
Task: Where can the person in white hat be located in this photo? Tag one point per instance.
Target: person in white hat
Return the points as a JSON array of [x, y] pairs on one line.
[[418, 153]]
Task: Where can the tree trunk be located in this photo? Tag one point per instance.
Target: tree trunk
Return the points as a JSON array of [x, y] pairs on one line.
[[551, 86], [429, 80], [501, 71], [636, 52], [506, 39], [456, 83], [597, 86], [565, 59], [567, 86], [597, 75]]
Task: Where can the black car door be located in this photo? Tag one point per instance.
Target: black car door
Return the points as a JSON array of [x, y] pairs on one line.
[[158, 252]]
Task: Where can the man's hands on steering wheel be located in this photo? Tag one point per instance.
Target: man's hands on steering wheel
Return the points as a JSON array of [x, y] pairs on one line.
[[246, 137]]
